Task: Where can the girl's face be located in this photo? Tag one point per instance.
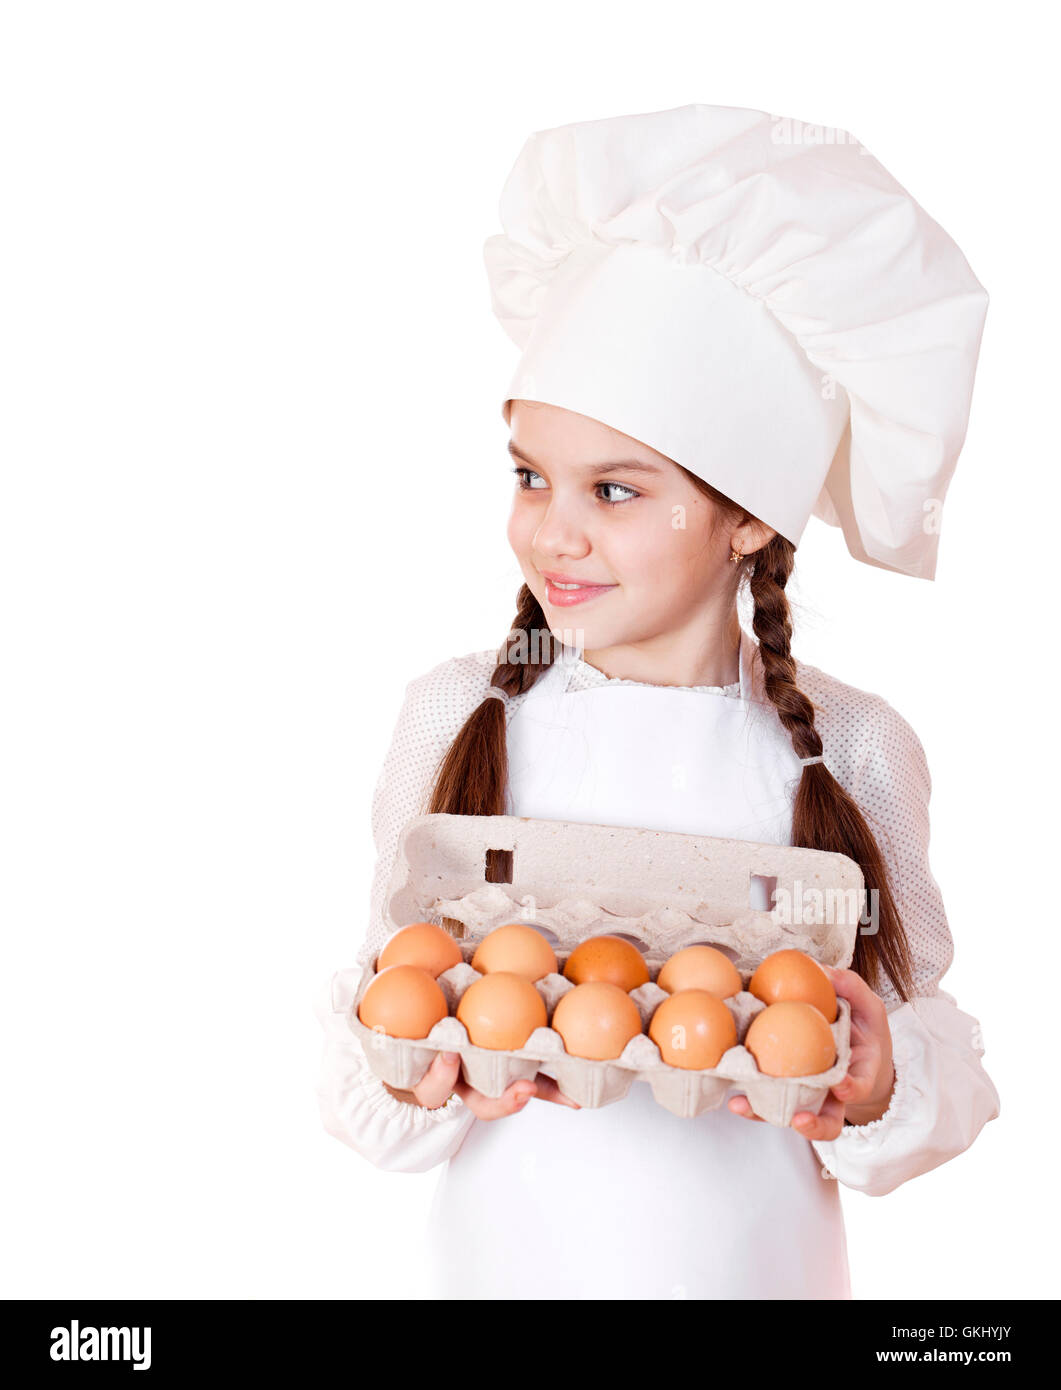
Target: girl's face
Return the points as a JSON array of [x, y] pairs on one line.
[[600, 510]]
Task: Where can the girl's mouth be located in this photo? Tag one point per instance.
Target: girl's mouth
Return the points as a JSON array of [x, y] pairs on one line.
[[565, 595]]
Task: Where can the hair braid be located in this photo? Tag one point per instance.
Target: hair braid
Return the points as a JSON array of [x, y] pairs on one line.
[[473, 775], [824, 816]]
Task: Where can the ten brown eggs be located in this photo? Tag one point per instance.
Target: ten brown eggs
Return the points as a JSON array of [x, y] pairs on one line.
[[692, 1027]]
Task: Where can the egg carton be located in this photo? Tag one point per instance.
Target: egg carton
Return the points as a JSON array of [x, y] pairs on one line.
[[660, 889]]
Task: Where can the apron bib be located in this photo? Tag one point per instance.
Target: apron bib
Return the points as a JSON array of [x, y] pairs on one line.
[[660, 758]]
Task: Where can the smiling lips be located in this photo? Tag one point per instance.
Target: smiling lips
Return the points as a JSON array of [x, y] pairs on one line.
[[562, 591]]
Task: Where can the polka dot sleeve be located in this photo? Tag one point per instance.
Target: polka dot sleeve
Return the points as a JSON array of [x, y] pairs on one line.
[[892, 789]]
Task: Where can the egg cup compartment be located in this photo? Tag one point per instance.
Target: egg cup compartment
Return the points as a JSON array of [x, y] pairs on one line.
[[666, 889]]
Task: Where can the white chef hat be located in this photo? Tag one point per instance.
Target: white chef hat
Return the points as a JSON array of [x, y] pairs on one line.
[[755, 298]]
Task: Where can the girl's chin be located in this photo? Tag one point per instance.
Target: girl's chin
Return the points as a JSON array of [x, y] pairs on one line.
[[585, 636]]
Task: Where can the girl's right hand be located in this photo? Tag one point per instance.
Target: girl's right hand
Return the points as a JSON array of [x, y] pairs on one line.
[[443, 1077]]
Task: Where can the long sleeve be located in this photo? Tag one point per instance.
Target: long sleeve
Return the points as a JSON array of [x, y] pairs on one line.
[[943, 1097], [358, 1109], [355, 1106]]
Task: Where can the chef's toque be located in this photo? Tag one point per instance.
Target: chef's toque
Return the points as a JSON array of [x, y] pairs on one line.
[[758, 300]]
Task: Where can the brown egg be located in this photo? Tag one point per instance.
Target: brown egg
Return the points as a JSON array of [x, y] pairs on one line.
[[700, 967], [516, 949], [608, 959], [793, 975], [403, 1001], [596, 1020], [791, 1039], [422, 944], [692, 1029], [501, 1011]]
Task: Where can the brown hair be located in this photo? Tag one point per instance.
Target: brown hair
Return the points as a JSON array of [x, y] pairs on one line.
[[472, 777]]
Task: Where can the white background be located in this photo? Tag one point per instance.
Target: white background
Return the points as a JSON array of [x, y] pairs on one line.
[[255, 482]]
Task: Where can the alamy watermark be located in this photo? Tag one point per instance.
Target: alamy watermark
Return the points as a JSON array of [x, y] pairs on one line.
[[77, 1343], [537, 646], [800, 906], [785, 130]]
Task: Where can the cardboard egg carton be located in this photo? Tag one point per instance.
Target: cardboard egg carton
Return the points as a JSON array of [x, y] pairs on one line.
[[661, 889]]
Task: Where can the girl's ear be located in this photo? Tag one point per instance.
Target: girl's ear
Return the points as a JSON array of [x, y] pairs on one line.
[[751, 536]]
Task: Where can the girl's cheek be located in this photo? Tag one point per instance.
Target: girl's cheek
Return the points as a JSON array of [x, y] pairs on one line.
[[520, 530], [640, 550]]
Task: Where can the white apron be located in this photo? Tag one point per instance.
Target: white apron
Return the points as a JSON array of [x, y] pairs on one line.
[[630, 1201]]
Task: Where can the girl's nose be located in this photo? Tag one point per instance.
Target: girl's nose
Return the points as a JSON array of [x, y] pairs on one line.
[[560, 533]]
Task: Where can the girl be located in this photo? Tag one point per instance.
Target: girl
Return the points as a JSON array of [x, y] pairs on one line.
[[678, 282]]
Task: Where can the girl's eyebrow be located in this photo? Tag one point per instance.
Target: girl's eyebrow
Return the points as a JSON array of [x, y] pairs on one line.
[[617, 465]]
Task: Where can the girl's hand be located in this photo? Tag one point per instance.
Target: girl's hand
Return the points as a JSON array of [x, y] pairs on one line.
[[866, 1091], [442, 1078]]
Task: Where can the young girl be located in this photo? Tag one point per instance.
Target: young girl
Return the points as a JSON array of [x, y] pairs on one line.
[[728, 326]]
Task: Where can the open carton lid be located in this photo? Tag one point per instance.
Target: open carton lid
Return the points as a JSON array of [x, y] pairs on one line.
[[665, 889]]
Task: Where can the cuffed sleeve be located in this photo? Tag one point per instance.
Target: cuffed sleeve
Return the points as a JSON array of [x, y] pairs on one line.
[[358, 1109], [943, 1097]]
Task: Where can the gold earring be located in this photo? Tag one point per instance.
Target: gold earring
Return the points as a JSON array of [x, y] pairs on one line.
[[735, 556]]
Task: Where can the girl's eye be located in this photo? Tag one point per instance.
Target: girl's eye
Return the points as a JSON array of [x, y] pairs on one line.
[[524, 474], [622, 488]]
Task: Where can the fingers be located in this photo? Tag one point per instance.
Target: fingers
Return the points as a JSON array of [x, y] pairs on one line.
[[871, 1041], [740, 1106], [827, 1124], [549, 1090], [824, 1126], [857, 1086], [510, 1102], [866, 1007], [514, 1098], [443, 1078], [439, 1081]]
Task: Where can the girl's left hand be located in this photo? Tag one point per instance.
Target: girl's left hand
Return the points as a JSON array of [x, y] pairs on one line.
[[866, 1091]]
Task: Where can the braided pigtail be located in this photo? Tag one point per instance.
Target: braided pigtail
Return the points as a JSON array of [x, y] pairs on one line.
[[824, 817], [473, 776]]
